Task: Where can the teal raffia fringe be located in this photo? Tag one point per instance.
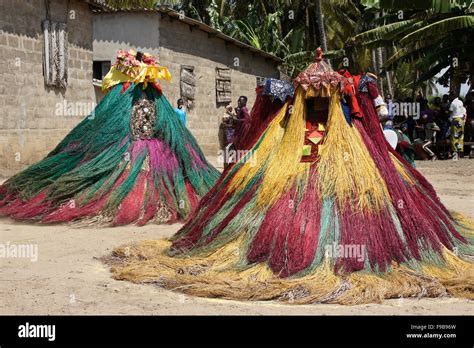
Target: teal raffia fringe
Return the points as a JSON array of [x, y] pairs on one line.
[[101, 173]]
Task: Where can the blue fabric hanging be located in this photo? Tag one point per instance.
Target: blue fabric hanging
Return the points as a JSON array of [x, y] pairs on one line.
[[278, 89]]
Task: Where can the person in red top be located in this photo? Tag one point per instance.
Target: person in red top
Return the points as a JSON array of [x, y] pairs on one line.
[[242, 121]]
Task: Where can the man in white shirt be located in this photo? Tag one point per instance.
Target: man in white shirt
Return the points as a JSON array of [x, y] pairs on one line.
[[457, 118]]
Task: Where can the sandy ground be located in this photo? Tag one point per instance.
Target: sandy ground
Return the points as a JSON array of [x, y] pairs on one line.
[[68, 279]]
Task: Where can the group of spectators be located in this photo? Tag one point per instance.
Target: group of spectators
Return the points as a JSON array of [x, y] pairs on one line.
[[233, 122], [447, 120]]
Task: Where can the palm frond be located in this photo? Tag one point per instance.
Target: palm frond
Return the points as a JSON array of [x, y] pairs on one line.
[[442, 27], [385, 32]]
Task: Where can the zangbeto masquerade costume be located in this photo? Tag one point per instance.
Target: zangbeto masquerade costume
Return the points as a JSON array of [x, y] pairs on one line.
[[130, 161], [327, 213]]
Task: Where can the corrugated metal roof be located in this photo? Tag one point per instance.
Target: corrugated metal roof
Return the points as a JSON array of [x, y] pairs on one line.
[[191, 22]]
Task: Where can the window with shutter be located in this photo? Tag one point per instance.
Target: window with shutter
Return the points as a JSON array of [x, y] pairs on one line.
[[223, 86], [188, 85]]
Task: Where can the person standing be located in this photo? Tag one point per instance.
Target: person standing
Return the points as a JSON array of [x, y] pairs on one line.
[[180, 111], [458, 116], [242, 120], [411, 123], [228, 128], [444, 116], [228, 124], [469, 124], [389, 105], [436, 106]]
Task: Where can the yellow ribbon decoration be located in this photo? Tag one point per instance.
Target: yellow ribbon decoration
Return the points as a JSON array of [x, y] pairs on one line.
[[139, 74]]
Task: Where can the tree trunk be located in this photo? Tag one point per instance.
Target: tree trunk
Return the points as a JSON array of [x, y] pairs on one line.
[[379, 69], [378, 53], [222, 8], [322, 32], [379, 60], [309, 28], [374, 61], [471, 76], [415, 78], [455, 81], [388, 76]]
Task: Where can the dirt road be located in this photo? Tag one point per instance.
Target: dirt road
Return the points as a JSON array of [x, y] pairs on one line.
[[68, 279]]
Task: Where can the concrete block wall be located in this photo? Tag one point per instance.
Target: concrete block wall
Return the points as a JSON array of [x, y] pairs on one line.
[[34, 118], [177, 45], [124, 30]]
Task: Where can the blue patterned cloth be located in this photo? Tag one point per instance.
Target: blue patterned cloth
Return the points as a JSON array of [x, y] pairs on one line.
[[364, 81], [278, 89]]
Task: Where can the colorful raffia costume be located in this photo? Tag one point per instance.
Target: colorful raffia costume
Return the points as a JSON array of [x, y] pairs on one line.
[[328, 213], [130, 161]]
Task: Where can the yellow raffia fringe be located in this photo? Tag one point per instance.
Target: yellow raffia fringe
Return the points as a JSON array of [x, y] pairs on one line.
[[218, 275], [276, 155], [223, 274], [343, 160], [458, 276], [401, 169], [286, 164], [273, 136], [323, 92], [346, 170], [465, 223]]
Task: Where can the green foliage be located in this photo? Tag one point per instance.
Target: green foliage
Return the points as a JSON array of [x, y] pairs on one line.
[[440, 28], [431, 35], [387, 32], [407, 30], [439, 6], [369, 4]]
